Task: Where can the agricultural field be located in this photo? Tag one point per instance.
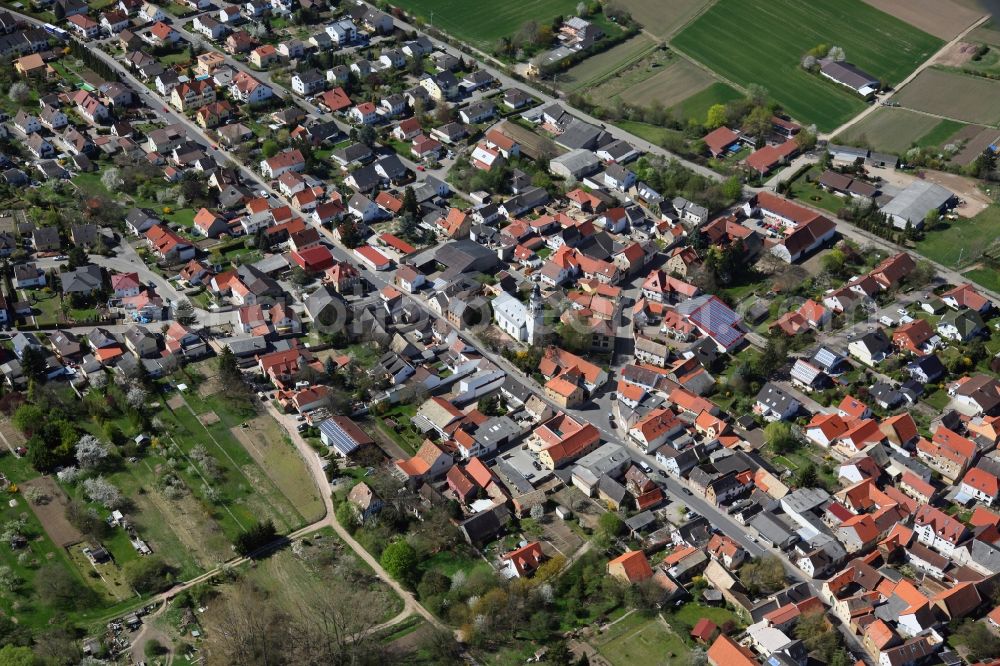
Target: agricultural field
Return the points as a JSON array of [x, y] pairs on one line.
[[187, 495], [664, 18], [894, 130], [783, 30], [970, 99], [599, 67], [941, 18], [480, 27]]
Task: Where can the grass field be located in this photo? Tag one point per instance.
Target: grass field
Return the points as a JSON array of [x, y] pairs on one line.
[[480, 26], [890, 130], [598, 67], [970, 99], [639, 639], [663, 18], [962, 241], [763, 41]]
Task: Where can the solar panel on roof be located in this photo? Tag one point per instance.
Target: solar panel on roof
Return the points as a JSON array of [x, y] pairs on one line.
[[343, 442]]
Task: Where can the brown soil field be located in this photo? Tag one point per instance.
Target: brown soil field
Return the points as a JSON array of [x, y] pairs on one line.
[[52, 514], [976, 145], [967, 98], [941, 18], [957, 54], [672, 85]]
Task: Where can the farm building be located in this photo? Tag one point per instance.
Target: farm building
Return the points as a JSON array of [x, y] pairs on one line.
[[912, 204], [850, 76]]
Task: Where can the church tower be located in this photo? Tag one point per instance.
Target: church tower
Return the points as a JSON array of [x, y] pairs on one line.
[[535, 320]]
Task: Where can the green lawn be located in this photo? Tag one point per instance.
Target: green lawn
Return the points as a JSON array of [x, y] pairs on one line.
[[763, 41], [469, 22], [639, 639], [814, 195], [958, 243]]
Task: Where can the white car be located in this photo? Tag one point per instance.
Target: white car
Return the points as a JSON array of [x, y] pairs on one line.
[[901, 311]]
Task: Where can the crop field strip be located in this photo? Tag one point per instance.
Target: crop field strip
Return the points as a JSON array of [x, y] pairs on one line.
[[481, 26], [762, 41]]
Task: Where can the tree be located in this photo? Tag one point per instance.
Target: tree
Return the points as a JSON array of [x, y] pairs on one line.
[[399, 559], [763, 576], [136, 397], [100, 490], [184, 313], [270, 148], [367, 135], [779, 437], [609, 526], [57, 588], [254, 538], [716, 116], [28, 418], [807, 476], [91, 452], [33, 364], [229, 366], [410, 204], [149, 574], [112, 179], [9, 581], [19, 92], [757, 94]]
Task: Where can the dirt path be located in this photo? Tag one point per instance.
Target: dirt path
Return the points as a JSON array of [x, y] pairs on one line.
[[924, 65], [149, 633]]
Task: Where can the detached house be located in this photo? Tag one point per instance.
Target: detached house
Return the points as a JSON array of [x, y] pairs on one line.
[[286, 161]]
